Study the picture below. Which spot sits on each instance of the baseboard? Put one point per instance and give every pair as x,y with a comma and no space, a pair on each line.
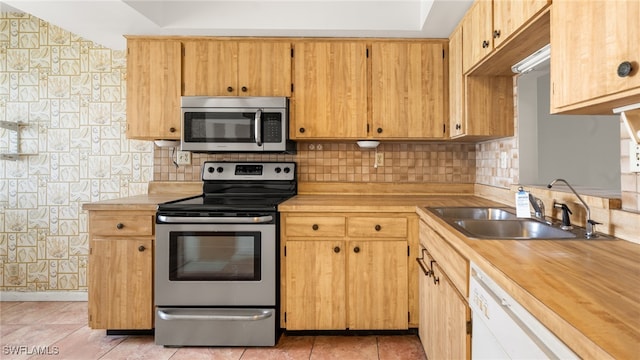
43,296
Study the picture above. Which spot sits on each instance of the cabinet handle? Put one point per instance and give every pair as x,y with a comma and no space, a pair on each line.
496,34
485,44
378,227
423,265
244,89
624,69
141,248
315,227
336,249
172,129
119,226
458,126
301,130
379,130
356,249
229,89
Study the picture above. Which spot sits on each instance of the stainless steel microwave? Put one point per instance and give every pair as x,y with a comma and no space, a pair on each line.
235,124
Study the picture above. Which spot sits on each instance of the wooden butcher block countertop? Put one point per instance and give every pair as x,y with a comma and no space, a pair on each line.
586,291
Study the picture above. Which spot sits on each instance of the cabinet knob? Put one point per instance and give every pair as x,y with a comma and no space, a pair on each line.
379,130
315,226
244,89
356,249
625,69
301,130
485,44
496,34
229,89
378,227
119,226
141,248
172,129
336,249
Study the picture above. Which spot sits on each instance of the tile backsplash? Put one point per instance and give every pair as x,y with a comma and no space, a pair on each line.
346,162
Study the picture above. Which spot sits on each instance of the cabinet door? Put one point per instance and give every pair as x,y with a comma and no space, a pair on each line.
378,294
477,36
153,89
456,85
120,278
210,68
590,39
407,89
510,15
264,68
451,315
330,91
315,285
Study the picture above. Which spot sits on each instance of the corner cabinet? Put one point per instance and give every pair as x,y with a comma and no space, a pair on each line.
154,73
345,271
445,315
237,68
120,278
595,61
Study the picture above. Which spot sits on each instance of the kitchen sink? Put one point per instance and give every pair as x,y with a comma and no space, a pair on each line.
477,213
511,229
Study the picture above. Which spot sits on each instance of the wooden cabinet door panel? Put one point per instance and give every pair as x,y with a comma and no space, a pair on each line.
407,90
510,15
477,34
210,68
330,91
153,89
378,294
456,85
316,292
452,313
120,272
264,68
375,227
590,39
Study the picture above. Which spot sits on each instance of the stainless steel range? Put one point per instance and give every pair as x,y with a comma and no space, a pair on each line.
216,261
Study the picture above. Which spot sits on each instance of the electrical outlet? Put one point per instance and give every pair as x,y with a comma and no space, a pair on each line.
634,157
183,157
380,159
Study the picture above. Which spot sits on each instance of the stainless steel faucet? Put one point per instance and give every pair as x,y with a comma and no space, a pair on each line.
590,225
538,207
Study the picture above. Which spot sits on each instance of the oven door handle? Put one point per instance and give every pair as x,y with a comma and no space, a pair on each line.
248,315
215,220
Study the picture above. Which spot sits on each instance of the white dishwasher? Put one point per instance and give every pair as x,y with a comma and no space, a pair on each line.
503,329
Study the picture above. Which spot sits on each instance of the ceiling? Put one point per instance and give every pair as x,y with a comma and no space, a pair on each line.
106,21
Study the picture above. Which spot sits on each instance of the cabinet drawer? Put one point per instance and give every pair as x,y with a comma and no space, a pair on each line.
449,260
313,226
118,225
377,227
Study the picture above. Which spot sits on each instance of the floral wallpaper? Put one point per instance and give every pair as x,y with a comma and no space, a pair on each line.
68,94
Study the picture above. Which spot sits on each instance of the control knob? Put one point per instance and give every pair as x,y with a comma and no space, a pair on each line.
287,170
211,169
220,169
278,170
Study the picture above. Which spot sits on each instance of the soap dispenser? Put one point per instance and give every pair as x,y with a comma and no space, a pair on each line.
566,221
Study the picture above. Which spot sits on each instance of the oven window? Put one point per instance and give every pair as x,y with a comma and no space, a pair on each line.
214,256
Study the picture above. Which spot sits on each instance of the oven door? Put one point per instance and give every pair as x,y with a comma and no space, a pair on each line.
233,129
215,264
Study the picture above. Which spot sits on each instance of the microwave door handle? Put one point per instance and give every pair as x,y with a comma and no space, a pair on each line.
258,127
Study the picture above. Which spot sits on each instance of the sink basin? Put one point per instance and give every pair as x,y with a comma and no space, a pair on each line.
477,213
511,229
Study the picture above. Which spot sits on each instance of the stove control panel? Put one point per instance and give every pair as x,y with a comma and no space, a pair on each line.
258,171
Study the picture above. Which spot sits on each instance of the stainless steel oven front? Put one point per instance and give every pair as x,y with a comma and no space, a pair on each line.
215,280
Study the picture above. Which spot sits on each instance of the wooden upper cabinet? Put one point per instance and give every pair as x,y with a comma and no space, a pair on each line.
237,68
510,15
456,85
407,90
591,41
330,90
478,33
153,89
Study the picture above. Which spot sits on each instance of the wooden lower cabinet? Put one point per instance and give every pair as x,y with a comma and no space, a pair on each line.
334,281
120,278
445,315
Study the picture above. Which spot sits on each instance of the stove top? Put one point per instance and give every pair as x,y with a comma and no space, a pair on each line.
239,187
